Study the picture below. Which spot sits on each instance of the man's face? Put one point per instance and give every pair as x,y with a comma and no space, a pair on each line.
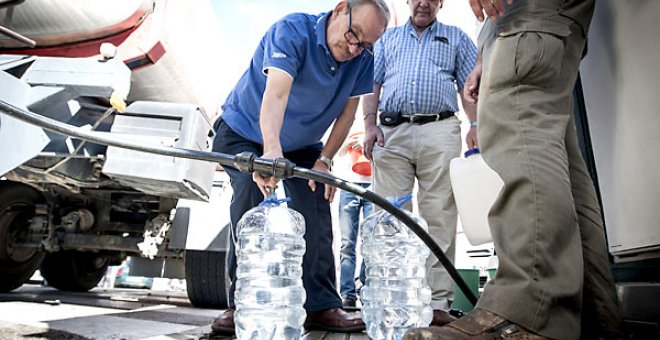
346,42
423,12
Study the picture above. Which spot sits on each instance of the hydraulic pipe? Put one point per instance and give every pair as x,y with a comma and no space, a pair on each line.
280,168
17,36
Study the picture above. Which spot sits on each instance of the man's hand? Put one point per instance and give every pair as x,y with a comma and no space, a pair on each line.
493,8
355,141
372,136
263,182
329,189
471,87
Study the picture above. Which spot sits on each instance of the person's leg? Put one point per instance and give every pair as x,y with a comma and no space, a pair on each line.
367,206
393,170
319,262
437,144
245,195
367,209
349,219
524,112
600,309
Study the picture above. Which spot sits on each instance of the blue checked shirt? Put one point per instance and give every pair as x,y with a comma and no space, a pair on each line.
422,75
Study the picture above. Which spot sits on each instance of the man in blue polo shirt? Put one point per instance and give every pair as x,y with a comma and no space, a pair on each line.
306,74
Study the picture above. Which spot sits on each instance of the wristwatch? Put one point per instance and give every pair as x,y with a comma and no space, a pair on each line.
327,161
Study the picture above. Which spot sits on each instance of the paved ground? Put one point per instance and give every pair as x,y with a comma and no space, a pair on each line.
34,312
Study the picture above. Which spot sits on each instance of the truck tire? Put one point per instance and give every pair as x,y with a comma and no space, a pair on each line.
74,271
205,278
17,207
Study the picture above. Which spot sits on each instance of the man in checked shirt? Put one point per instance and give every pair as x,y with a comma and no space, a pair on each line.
419,70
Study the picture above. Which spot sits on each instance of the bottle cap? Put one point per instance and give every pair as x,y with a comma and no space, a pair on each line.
400,201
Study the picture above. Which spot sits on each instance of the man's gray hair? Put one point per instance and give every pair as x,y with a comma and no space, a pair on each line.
383,10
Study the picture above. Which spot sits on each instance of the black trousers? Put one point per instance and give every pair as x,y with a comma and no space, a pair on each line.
318,263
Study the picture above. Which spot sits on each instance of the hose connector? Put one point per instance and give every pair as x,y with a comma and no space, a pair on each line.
280,168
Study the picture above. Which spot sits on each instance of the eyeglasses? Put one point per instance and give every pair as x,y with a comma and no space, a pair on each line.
352,38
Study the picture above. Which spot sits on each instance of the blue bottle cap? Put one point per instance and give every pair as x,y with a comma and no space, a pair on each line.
400,201
272,200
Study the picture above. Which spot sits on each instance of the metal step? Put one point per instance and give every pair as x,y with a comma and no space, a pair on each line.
640,309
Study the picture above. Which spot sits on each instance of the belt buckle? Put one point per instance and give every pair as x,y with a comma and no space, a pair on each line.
413,118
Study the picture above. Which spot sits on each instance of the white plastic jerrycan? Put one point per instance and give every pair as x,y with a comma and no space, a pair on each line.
475,186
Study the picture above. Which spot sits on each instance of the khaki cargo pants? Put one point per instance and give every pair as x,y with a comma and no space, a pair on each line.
423,152
546,224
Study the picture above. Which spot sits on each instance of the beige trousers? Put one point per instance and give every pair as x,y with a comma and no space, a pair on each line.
423,152
546,223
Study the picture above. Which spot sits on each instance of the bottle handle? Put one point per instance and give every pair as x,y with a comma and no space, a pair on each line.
472,152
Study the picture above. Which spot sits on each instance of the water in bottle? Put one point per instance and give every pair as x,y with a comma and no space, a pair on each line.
396,296
269,291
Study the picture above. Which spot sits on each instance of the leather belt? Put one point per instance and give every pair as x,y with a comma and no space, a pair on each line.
396,118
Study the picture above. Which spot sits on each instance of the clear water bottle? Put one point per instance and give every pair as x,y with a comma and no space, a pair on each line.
269,292
396,296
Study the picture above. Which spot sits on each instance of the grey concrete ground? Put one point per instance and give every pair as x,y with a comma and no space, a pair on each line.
35,313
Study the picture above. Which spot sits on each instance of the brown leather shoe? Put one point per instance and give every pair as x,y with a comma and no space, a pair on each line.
335,320
441,318
224,323
477,325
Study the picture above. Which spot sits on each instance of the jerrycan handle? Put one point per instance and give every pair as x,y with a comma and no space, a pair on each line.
472,152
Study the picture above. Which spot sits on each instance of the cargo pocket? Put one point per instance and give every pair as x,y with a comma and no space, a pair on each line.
500,64
523,57
538,57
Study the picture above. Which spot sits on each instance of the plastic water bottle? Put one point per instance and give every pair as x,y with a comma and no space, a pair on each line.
476,187
269,291
396,296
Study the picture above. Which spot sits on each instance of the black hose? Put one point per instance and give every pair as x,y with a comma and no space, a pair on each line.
280,168
398,213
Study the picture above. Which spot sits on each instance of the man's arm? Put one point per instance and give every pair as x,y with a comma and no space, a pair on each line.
469,97
338,134
471,112
472,82
341,128
273,105
372,133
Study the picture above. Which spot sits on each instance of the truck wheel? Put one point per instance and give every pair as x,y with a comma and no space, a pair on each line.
205,278
74,271
17,264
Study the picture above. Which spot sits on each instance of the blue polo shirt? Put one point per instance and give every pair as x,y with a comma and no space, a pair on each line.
296,44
